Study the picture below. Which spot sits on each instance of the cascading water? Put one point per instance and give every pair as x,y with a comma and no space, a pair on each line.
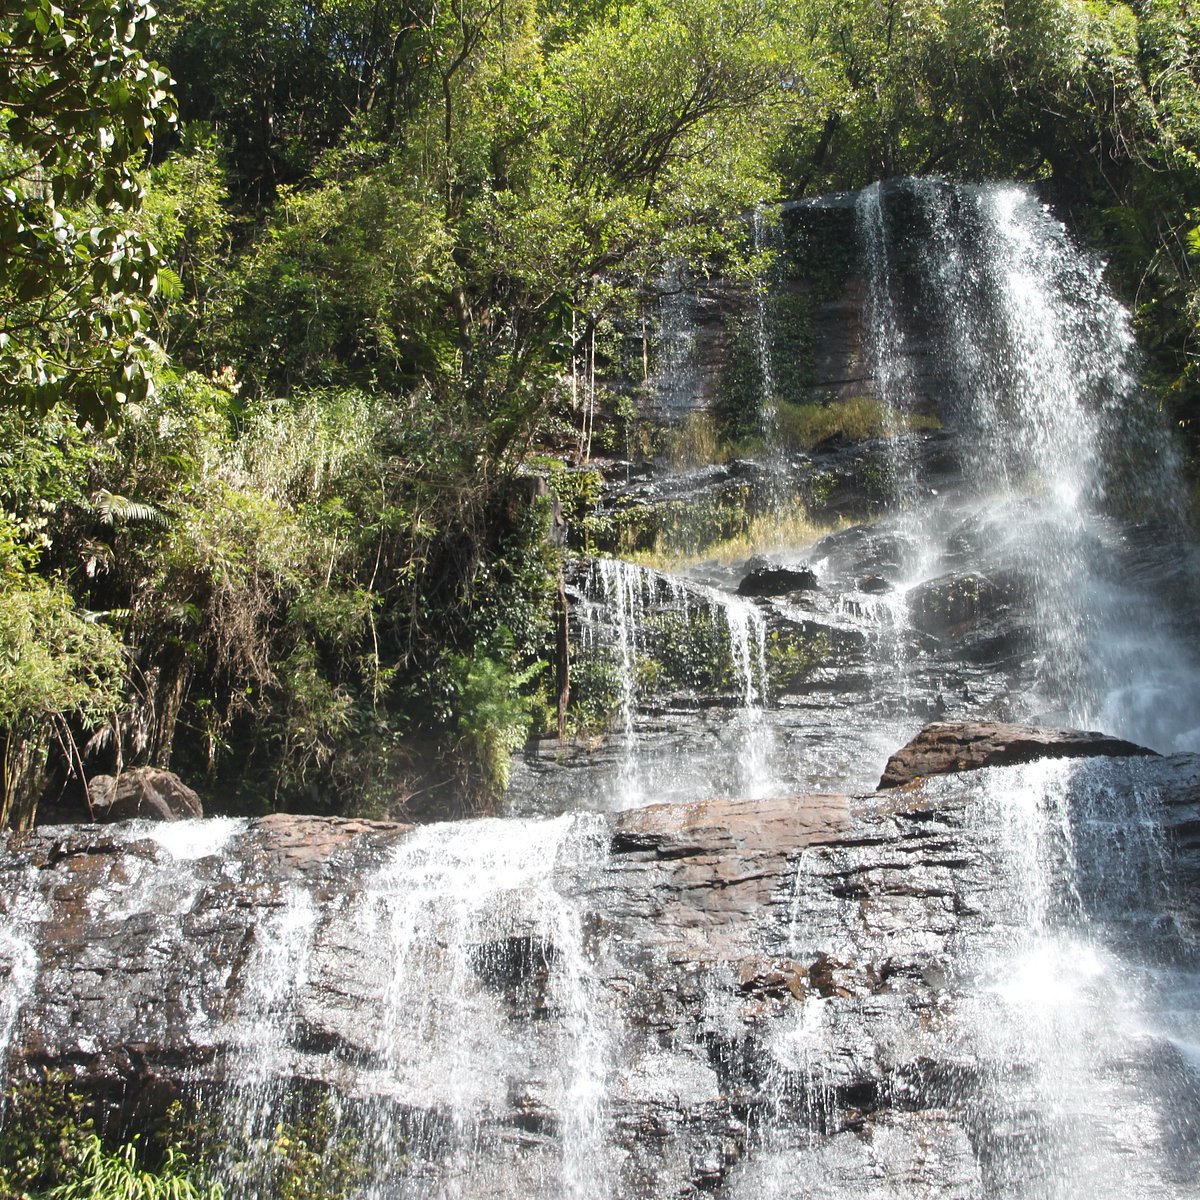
252,1103
676,377
1034,359
1068,1007
18,966
466,916
987,988
647,635
763,239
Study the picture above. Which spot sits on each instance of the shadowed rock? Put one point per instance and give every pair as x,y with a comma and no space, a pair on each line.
763,579
950,746
951,604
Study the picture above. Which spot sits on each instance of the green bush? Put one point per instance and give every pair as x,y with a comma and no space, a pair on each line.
493,716
58,664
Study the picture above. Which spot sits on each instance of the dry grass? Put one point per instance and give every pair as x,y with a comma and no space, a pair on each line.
803,426
781,529
696,441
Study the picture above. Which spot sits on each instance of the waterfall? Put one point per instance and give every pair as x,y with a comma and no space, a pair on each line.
262,1035
887,361
657,636
691,978
676,377
1037,359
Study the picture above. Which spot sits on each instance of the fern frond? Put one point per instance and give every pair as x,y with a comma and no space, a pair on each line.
120,510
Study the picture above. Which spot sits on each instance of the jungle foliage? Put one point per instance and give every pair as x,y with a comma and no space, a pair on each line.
372,269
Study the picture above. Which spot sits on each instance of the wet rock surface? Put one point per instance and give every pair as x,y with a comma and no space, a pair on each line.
826,957
947,747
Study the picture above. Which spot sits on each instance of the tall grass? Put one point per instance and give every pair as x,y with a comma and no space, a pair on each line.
782,528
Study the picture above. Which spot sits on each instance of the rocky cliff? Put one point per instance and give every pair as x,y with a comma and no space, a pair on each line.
709,997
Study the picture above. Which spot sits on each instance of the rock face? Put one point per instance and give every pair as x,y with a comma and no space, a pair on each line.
704,998
146,792
949,746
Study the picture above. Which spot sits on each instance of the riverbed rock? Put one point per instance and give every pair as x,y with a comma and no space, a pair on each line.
946,747
151,793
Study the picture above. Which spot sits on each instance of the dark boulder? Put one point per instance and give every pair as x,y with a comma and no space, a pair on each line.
147,792
947,747
764,579
950,604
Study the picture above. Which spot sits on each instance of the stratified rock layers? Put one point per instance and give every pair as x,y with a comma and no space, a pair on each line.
787,987
949,746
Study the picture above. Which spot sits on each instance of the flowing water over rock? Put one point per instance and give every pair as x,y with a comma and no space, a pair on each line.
984,986
676,660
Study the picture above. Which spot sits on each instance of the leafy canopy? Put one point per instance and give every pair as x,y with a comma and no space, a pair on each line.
79,106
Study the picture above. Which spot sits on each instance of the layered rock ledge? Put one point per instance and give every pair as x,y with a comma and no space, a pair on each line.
946,747
798,984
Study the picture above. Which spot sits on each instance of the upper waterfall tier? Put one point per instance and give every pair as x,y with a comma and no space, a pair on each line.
1019,551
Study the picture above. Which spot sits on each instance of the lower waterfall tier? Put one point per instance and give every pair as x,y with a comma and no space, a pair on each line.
982,985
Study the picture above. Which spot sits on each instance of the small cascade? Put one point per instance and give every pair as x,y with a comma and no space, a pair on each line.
676,377
19,965
488,999
765,237
262,1037
747,632
887,359
889,363
659,641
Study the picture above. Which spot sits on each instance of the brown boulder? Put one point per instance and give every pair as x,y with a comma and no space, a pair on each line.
147,792
950,746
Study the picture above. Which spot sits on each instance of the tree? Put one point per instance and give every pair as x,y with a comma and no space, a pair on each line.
80,104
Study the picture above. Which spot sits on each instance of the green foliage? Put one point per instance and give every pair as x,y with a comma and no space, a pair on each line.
309,1154
690,651
185,214
595,693
44,1132
79,105
57,664
318,291
101,1174
696,441
792,657
50,1150
492,715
